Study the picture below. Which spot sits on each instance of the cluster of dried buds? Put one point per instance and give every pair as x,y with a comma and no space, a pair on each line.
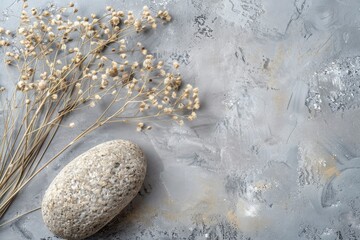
72,61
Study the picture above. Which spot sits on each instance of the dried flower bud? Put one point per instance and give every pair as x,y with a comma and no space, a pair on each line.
42,85
21,30
140,126
113,72
176,65
192,116
54,96
115,21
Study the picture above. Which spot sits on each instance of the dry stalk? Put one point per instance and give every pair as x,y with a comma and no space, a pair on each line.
69,63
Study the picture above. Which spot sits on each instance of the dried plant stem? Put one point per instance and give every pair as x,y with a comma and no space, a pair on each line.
19,216
69,63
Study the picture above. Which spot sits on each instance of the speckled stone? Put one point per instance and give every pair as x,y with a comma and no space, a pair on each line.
93,188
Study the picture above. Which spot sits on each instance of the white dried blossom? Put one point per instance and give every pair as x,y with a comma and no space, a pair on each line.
42,85
140,126
68,61
54,96
176,65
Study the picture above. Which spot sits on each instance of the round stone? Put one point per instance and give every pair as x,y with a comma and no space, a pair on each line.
93,188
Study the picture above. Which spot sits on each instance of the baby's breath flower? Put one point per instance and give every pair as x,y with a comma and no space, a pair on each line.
21,30
176,65
165,99
67,61
113,72
168,110
42,85
115,21
4,43
140,126
192,116
160,64
164,15
135,65
104,83
138,25
147,64
54,96
162,72
144,51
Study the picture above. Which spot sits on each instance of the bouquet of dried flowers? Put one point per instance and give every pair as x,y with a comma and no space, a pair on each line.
68,63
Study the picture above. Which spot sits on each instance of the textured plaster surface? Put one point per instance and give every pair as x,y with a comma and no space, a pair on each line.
275,152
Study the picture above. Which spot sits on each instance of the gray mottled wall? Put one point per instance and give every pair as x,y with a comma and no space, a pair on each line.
274,153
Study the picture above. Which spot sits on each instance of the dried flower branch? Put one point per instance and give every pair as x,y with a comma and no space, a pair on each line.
69,63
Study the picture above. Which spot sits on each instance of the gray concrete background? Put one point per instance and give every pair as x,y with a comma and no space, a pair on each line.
275,151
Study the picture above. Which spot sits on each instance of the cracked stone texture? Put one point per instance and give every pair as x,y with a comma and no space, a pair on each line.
275,151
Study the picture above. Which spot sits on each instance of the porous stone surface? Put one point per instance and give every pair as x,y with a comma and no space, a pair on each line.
93,188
